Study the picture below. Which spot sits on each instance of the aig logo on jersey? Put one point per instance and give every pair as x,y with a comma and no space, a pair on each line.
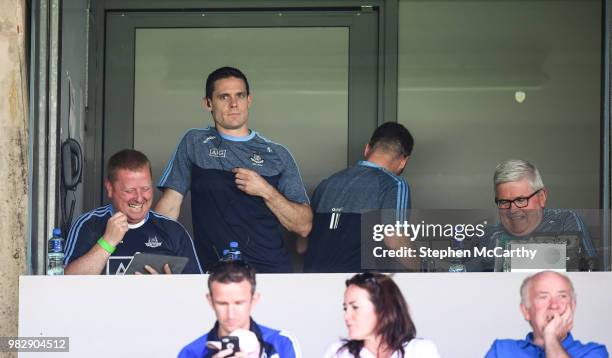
335,218
256,159
217,153
153,242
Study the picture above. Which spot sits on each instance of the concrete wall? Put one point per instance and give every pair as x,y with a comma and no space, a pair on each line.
13,159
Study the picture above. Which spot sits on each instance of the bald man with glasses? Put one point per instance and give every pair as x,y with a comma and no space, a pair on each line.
520,196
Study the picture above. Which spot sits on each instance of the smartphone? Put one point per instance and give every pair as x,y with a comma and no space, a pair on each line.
230,342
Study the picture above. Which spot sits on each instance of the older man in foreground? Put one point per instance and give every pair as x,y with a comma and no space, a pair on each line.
548,303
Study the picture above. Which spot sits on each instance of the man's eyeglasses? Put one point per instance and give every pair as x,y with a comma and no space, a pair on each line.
519,202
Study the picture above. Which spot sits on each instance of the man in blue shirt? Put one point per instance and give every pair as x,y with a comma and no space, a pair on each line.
242,184
231,286
520,196
548,302
105,239
373,190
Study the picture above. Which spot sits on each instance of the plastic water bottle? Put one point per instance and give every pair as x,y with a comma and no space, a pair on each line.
234,252
225,256
55,253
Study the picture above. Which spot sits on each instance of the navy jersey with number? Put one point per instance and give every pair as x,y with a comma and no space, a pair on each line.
156,235
340,204
221,213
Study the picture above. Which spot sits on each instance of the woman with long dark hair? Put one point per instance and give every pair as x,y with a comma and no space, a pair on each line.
379,325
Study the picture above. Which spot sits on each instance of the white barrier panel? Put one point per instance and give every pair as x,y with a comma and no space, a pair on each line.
154,316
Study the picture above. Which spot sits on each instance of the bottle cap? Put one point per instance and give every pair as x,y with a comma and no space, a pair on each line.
233,244
57,232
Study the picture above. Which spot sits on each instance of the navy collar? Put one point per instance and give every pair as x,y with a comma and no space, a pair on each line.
365,163
213,335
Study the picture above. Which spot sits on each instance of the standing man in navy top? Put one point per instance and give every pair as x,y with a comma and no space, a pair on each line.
341,201
242,184
548,303
105,239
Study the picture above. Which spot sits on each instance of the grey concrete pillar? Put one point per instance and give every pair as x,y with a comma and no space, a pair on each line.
13,160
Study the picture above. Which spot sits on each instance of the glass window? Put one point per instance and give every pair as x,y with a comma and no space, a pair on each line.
485,81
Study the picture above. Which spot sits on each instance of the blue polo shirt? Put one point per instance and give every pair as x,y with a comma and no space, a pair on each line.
275,343
524,348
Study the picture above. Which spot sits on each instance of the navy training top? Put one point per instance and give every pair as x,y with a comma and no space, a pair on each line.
340,204
156,235
221,213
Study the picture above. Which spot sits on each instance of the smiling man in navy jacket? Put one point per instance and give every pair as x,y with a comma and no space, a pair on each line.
105,239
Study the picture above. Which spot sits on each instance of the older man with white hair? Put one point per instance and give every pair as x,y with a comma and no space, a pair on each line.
548,303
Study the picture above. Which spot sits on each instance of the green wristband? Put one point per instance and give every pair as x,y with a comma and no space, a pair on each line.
106,245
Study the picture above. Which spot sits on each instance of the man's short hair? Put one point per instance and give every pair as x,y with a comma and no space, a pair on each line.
513,170
232,272
527,282
221,73
393,138
127,159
